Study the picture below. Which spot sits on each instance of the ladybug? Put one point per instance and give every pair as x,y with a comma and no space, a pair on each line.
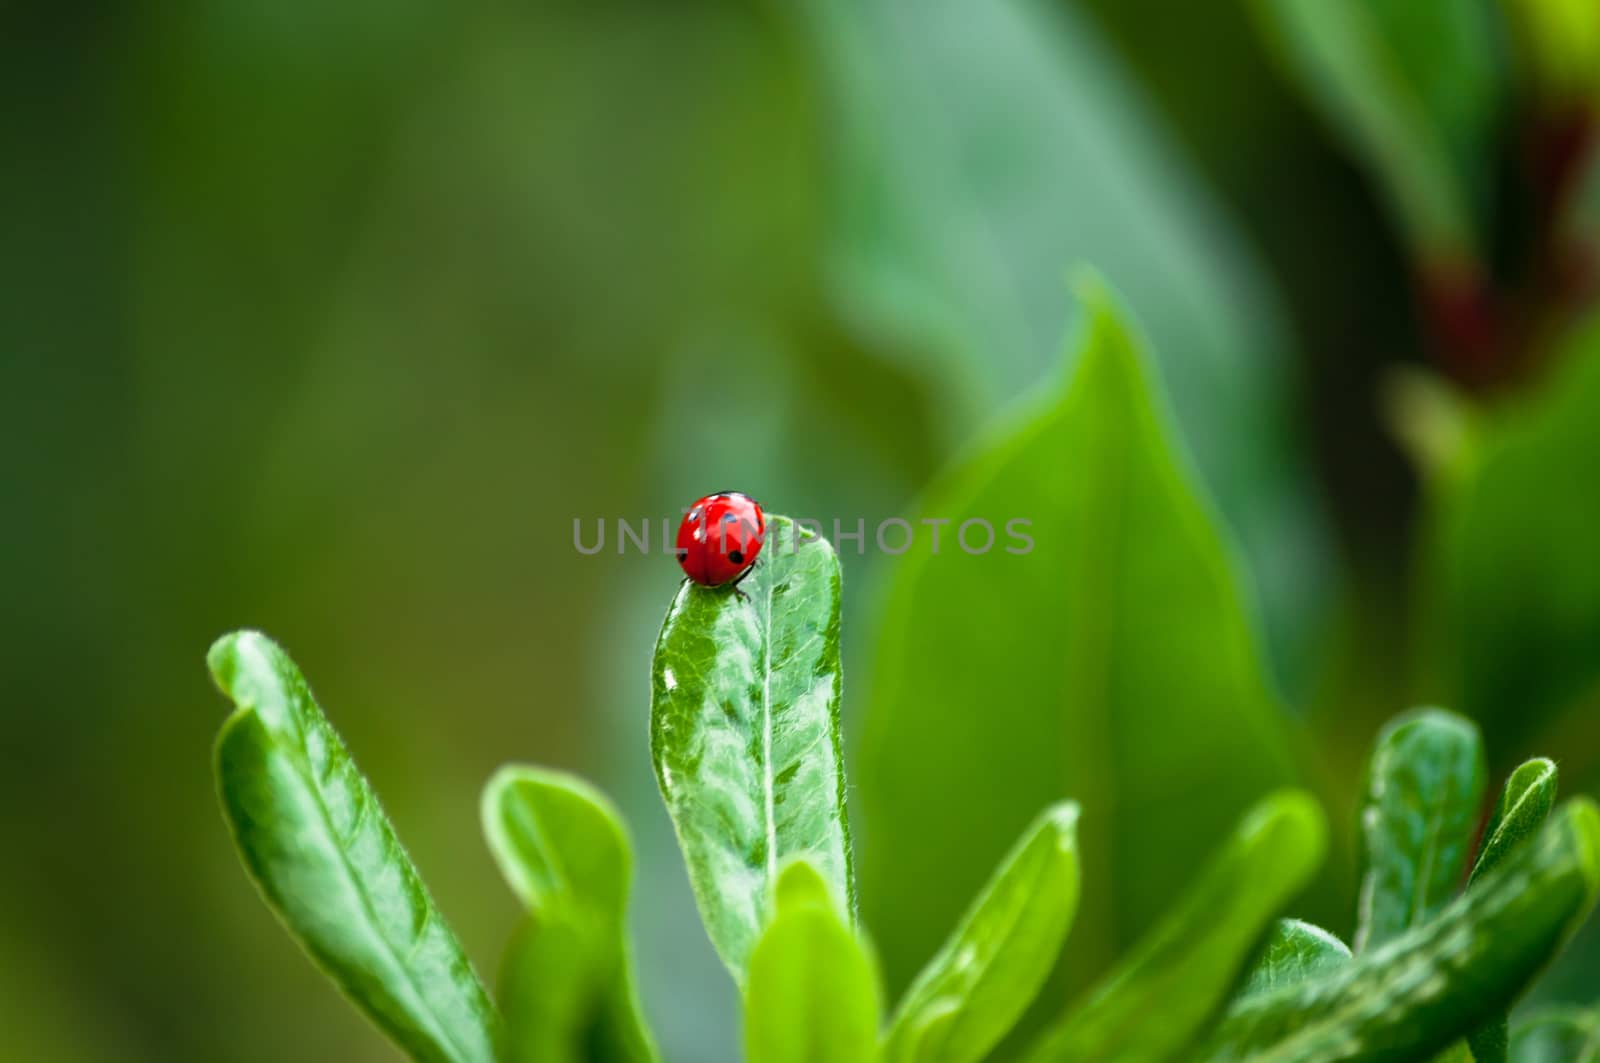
720,538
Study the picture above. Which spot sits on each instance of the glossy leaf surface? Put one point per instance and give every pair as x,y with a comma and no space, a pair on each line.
973,990
1419,818
313,836
744,733
1160,998
812,993
1107,658
1424,989
567,987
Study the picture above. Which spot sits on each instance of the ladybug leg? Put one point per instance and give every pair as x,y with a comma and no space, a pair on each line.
743,597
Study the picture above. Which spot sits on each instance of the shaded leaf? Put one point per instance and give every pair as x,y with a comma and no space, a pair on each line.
1513,601
973,990
1413,86
1524,805
313,836
1295,952
1161,997
978,152
1557,1035
1107,657
568,986
1424,989
744,733
1419,818
812,993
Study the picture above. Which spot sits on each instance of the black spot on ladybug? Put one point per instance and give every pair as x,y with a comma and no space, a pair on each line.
694,514
736,556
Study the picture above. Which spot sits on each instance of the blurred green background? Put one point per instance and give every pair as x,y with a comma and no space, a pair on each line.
330,319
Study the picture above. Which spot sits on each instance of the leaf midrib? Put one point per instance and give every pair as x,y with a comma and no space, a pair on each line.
1009,925
1012,923
1422,894
1087,690
768,776
302,769
1512,816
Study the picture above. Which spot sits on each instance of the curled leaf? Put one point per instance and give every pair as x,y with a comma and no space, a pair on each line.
567,986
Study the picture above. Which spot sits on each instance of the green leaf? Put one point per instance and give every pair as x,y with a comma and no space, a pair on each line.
1295,952
980,150
744,732
1109,657
973,990
1414,87
1557,1035
1160,998
1413,996
1513,595
567,987
812,993
314,838
1419,818
1524,805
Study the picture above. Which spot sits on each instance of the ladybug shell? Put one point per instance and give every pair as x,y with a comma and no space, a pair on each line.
720,538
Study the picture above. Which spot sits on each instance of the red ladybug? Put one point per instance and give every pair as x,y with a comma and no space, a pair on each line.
720,538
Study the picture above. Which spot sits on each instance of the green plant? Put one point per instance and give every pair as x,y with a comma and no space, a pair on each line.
745,738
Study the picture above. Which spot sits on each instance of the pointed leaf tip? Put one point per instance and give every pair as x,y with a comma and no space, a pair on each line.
1106,340
799,883
812,989
1185,967
1064,816
1135,721
971,993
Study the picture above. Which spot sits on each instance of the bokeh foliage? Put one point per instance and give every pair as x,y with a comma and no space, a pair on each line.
329,319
